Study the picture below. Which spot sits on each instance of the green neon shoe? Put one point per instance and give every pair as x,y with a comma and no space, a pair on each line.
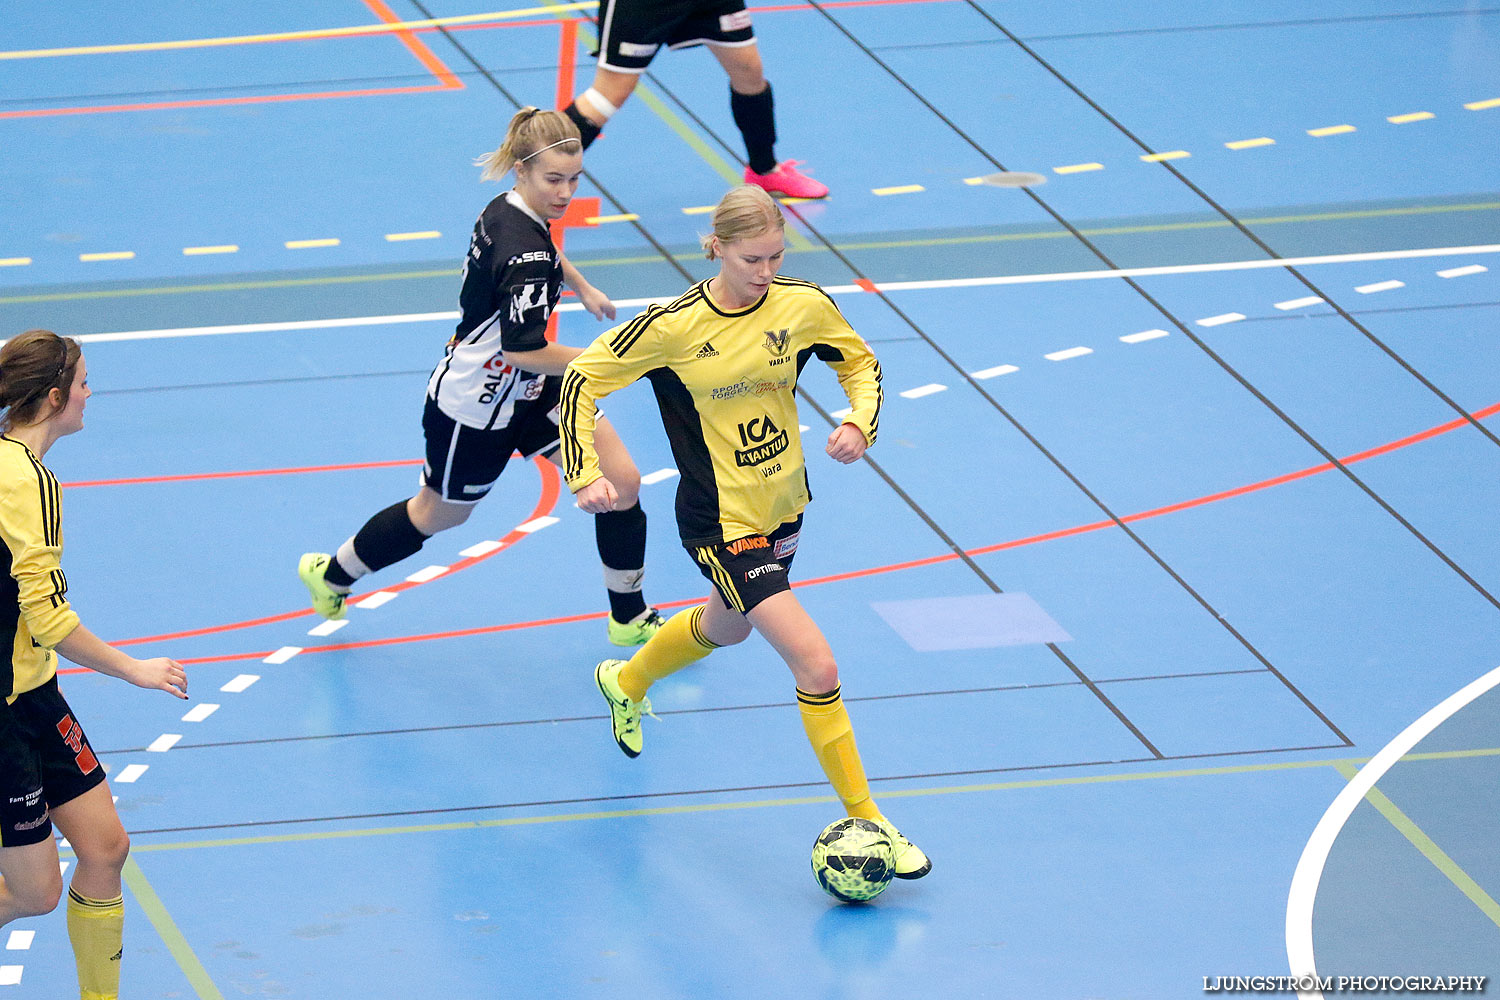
635,633
911,862
325,600
625,714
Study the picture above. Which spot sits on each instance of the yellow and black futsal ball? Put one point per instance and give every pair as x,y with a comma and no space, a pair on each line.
853,859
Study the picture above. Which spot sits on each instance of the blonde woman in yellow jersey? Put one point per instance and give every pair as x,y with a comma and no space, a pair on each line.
724,359
48,772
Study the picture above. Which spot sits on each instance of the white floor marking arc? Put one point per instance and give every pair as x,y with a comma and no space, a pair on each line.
923,390
164,742
1460,272
200,712
328,628
537,524
378,599
1221,319
240,683
1071,352
995,371
1304,888
283,654
426,573
1379,286
19,940
659,476
483,548
130,773
1143,336
1302,303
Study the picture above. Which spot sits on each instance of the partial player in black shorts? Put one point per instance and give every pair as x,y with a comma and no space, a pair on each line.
45,762
49,775
495,391
748,570
632,32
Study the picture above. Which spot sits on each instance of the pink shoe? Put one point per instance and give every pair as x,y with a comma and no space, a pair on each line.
788,180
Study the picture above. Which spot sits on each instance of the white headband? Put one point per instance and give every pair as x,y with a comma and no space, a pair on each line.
545,148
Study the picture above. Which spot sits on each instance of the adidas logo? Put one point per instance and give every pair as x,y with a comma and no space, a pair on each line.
706,351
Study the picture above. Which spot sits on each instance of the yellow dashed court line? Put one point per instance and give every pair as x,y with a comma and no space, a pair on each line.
426,234
698,209
115,255
1415,116
309,244
798,201
899,189
1171,154
1493,102
595,220
1250,143
1078,168
1318,133
14,261
200,251
973,181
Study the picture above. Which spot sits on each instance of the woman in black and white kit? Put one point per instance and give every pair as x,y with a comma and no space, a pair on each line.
496,389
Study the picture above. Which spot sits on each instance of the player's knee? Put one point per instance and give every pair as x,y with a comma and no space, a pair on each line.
105,851
627,488
35,898
817,673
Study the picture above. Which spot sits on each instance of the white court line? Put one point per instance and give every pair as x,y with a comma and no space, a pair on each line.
1072,352
995,371
131,772
427,573
164,742
536,524
883,286
483,548
1379,286
841,414
19,940
283,654
328,628
1302,303
10,975
377,599
923,390
200,712
659,476
1221,319
1459,272
1304,890
240,683
1143,336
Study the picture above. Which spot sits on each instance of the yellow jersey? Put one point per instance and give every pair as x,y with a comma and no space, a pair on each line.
34,610
726,382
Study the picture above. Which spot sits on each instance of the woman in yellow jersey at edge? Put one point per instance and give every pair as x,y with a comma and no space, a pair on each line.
48,771
723,360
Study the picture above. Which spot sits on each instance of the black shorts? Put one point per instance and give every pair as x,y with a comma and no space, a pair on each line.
45,762
632,31
464,462
748,570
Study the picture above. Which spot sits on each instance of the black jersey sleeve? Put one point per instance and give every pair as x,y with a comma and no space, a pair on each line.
476,296
525,303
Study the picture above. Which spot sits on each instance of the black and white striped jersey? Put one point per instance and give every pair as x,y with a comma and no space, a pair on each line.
512,279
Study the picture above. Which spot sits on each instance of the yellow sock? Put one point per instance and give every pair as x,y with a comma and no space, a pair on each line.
832,739
675,645
96,929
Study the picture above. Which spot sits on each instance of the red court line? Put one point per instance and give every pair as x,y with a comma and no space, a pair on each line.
546,502
1264,484
567,60
448,81
424,55
194,476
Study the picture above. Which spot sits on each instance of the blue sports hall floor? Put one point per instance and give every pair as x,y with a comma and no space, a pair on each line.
1204,426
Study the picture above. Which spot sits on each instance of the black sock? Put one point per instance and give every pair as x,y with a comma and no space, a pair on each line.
587,130
755,114
386,538
621,536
